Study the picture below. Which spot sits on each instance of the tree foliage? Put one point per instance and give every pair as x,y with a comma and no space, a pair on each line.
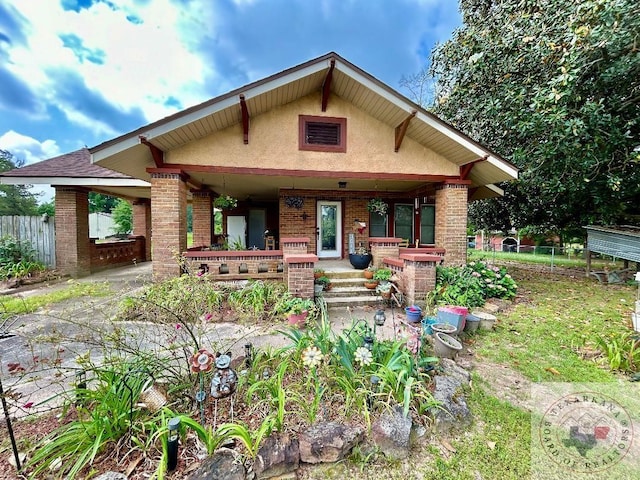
554,87
15,199
123,217
101,203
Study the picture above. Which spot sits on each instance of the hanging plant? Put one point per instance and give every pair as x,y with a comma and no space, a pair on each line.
377,205
225,202
294,202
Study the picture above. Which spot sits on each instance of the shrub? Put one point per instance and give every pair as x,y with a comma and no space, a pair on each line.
471,285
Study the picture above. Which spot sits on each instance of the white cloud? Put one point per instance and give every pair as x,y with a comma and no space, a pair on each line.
144,63
27,148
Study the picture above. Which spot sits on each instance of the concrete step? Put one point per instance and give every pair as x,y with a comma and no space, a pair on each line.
335,274
347,282
353,301
348,291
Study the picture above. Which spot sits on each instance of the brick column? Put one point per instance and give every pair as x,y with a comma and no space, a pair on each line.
168,222
451,221
142,224
72,231
202,218
419,276
299,274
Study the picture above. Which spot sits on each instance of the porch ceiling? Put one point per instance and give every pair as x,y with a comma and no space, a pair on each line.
127,155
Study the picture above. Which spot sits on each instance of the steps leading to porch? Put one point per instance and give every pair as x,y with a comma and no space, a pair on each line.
348,289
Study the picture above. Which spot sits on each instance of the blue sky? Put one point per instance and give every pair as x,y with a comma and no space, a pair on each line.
79,72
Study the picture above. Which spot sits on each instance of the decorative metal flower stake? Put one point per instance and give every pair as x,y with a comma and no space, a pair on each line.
201,362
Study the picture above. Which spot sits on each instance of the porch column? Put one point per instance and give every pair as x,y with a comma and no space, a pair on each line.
202,205
142,224
168,221
384,247
451,221
419,276
299,274
72,231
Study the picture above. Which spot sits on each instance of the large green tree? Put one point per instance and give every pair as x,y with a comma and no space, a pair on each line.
554,87
15,199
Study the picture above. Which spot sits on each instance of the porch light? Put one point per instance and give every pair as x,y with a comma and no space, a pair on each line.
172,443
367,342
379,318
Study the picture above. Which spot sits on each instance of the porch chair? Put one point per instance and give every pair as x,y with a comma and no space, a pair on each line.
404,243
269,243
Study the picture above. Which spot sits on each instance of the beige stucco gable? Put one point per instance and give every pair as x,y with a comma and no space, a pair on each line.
273,144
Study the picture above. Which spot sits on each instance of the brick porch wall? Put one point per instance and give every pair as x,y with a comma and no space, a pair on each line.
202,205
72,231
169,223
451,221
142,224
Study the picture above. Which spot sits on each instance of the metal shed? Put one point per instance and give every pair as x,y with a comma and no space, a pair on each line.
620,241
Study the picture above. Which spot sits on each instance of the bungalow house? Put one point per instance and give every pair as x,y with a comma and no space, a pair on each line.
302,154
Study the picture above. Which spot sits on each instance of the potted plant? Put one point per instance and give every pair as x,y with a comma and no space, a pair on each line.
384,290
298,309
225,202
383,274
324,281
318,272
361,258
369,271
370,284
377,205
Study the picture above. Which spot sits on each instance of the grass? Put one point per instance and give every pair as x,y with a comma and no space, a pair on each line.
20,305
548,336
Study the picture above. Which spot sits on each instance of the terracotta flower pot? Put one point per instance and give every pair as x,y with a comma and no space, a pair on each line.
297,319
368,274
371,284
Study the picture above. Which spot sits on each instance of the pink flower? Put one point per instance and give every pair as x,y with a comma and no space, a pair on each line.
178,326
28,405
208,316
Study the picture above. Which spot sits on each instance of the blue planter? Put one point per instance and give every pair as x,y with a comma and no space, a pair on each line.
360,261
414,313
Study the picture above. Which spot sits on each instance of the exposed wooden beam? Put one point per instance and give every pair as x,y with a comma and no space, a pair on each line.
465,169
245,119
402,129
156,153
326,86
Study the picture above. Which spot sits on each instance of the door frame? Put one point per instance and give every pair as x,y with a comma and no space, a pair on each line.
337,253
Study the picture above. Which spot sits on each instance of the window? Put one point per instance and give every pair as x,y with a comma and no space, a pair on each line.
377,225
322,134
428,224
403,221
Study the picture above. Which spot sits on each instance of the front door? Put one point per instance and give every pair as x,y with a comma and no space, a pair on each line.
329,228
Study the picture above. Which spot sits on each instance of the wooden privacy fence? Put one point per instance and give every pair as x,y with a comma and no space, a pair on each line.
38,230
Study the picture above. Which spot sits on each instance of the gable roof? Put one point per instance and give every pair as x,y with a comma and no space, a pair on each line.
126,153
75,169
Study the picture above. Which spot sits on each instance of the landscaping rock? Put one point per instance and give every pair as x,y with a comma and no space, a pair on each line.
453,413
111,476
450,368
222,465
392,434
328,442
278,455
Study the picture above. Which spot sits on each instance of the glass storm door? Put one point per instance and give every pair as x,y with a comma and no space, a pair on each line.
329,230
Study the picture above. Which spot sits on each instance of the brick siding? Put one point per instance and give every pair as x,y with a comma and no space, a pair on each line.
451,221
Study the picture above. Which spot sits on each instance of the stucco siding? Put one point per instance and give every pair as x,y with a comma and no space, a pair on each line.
273,143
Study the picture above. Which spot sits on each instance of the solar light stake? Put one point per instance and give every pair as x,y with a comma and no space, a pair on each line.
172,443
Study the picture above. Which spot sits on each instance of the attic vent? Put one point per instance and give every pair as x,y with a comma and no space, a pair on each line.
322,134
